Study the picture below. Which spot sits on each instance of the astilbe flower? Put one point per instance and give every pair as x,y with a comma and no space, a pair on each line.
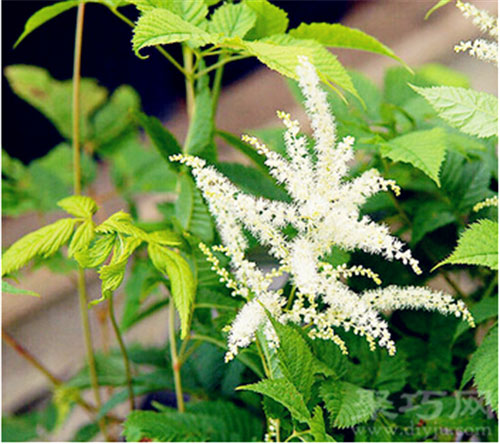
483,49
325,212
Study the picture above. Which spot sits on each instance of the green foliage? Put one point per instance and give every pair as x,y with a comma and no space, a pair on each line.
472,112
204,421
423,149
232,20
270,19
346,403
483,367
10,289
31,426
478,245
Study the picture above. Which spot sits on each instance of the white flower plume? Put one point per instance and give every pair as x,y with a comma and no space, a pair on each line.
325,212
482,49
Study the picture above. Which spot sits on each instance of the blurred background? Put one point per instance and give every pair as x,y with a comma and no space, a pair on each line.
49,327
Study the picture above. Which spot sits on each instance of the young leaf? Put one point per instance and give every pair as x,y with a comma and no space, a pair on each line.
472,112
346,403
340,36
483,366
425,150
97,252
163,140
111,276
44,15
232,20
284,392
270,19
477,245
53,97
82,237
10,289
79,206
161,26
43,242
182,282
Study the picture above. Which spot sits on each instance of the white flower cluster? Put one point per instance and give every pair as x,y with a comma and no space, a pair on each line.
486,50
325,212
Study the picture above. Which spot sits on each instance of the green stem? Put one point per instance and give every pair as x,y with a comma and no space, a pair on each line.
176,367
291,297
491,286
123,349
267,369
218,64
162,51
187,54
218,83
82,290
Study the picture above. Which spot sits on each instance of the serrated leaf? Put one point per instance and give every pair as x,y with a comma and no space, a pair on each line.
82,237
429,217
340,36
53,97
192,212
111,276
160,27
182,282
43,242
10,289
79,206
284,392
193,11
478,245
483,366
347,404
163,140
232,20
318,429
97,253
425,150
472,112
270,19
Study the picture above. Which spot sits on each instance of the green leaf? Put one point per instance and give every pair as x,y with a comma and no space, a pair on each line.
430,216
340,36
193,11
53,97
346,403
160,27
192,211
270,19
111,276
79,206
163,140
477,245
82,237
318,429
232,20
10,289
425,150
284,392
486,308
483,366
442,75
182,282
244,148
44,15
472,112
86,432
43,242
438,5
98,251
200,136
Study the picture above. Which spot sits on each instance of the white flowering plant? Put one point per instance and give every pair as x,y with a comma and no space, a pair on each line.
317,287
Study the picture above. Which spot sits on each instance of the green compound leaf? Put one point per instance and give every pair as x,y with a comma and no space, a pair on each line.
425,150
340,36
284,392
53,97
78,206
182,282
232,20
478,245
483,366
43,242
163,140
270,19
472,112
97,253
193,11
160,27
318,428
347,404
111,278
10,289
82,237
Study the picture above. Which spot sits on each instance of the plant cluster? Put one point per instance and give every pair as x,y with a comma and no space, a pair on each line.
302,314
